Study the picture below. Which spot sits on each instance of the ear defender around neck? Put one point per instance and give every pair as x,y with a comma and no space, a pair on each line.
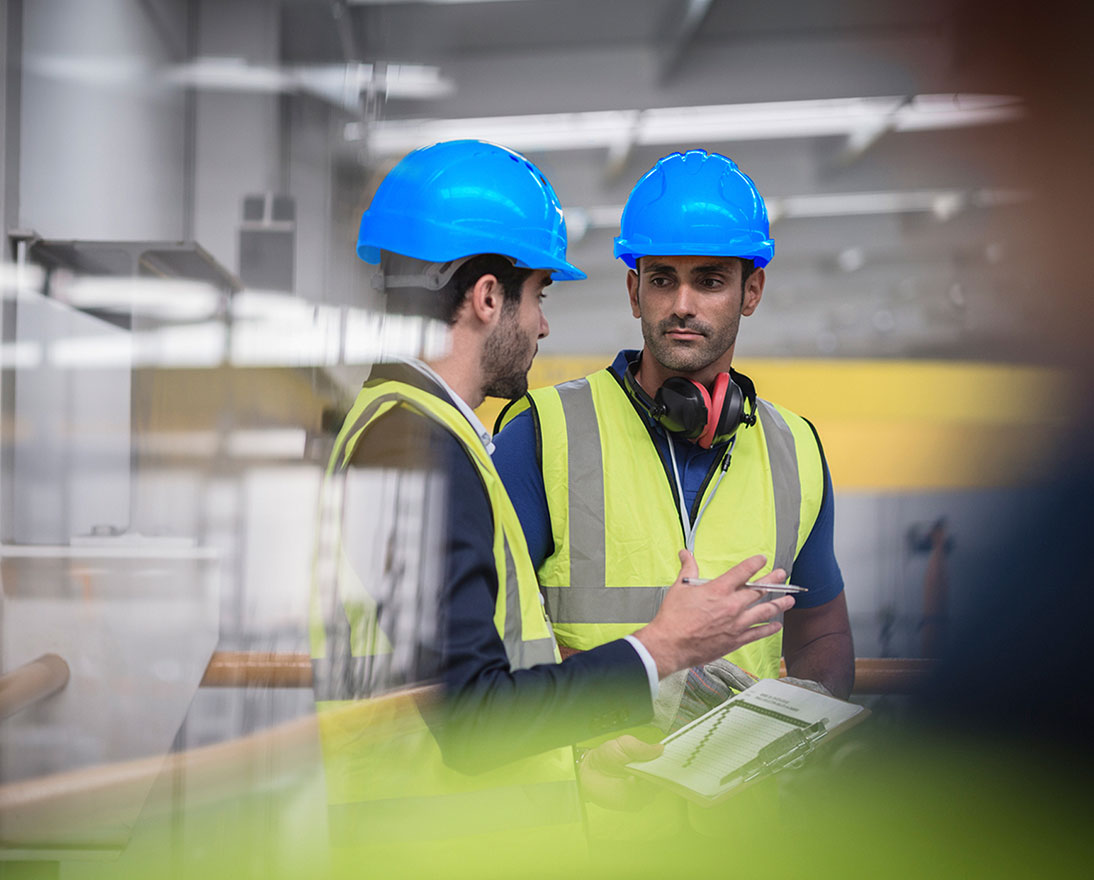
685,407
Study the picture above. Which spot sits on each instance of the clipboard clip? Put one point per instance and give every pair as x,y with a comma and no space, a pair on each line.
789,750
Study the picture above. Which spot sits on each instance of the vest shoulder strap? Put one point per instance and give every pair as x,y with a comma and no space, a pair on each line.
374,401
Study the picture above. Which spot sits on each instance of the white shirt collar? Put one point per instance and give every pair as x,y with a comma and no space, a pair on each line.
459,402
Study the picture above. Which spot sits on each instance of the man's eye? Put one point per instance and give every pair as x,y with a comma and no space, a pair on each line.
712,283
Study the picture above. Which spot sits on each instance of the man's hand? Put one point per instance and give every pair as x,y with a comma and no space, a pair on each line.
698,623
607,782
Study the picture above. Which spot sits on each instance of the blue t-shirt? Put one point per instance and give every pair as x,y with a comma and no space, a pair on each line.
517,463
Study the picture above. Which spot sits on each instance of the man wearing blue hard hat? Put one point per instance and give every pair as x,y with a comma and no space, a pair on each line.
674,448
423,575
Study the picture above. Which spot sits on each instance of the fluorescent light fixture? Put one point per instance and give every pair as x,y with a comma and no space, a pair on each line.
943,203
851,204
188,346
421,2
375,336
947,205
16,278
267,443
91,352
95,71
276,443
313,341
228,74
338,84
271,305
414,81
854,118
23,355
198,444
851,259
342,84
996,198
167,299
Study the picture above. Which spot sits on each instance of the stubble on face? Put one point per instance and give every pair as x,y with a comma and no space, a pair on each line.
689,356
507,358
696,354
512,345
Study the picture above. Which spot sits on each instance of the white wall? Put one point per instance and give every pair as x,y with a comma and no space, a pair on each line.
102,141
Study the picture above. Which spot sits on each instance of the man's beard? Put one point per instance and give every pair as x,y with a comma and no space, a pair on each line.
506,360
691,357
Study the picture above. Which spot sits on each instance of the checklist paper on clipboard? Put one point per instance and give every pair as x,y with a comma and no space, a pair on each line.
758,732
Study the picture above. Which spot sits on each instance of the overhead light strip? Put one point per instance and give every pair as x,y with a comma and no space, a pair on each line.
705,124
420,2
941,202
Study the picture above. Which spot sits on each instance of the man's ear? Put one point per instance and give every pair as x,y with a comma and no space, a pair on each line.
632,292
754,291
485,300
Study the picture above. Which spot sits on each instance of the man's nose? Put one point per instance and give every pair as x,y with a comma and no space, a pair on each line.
544,327
684,304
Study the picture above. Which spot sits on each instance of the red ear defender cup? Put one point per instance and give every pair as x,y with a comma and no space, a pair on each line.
715,413
683,406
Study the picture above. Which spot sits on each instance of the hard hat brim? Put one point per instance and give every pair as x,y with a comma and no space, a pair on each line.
440,242
760,252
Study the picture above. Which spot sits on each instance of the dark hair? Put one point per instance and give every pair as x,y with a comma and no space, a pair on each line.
748,266
445,304
450,298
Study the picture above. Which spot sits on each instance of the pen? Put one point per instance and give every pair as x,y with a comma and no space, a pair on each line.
770,588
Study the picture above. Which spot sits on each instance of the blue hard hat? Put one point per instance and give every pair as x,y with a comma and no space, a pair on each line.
460,198
695,203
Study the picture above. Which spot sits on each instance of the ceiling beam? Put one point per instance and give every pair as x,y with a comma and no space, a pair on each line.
695,12
343,21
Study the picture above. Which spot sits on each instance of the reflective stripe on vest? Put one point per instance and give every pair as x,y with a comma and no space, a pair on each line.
616,526
611,604
521,622
387,781
586,469
522,653
785,482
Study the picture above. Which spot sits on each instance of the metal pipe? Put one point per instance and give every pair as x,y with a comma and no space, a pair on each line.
31,682
886,675
891,675
64,809
873,675
257,669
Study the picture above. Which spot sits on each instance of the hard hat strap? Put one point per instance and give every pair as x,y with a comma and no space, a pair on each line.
432,276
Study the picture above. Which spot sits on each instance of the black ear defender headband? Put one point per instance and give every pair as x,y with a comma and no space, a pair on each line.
685,407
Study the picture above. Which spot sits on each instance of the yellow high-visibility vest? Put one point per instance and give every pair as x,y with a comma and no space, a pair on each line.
616,523
387,784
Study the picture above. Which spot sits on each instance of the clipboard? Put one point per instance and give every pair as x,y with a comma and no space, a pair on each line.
769,727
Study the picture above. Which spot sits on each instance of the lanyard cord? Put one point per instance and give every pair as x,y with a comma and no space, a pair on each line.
685,520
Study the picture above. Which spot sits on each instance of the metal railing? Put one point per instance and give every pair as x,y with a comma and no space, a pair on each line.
81,801
873,675
31,682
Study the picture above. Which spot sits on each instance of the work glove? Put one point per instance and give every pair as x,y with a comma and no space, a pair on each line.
705,687
809,685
